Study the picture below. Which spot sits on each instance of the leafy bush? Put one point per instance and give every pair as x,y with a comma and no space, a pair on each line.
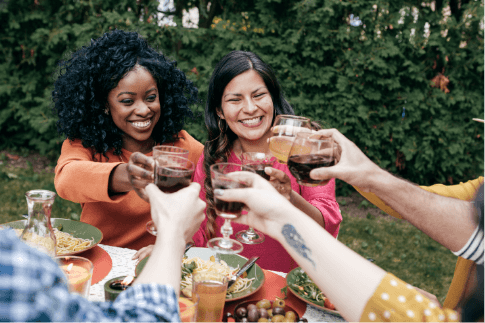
371,81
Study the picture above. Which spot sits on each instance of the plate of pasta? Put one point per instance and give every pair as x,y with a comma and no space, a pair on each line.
72,237
203,259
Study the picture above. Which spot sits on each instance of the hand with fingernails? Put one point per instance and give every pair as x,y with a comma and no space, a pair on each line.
140,173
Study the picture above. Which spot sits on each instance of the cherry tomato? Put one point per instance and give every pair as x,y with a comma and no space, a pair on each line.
329,304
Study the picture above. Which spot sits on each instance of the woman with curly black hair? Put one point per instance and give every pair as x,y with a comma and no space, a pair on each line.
116,97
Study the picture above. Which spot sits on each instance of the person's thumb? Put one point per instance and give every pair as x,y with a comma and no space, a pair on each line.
323,173
233,194
153,192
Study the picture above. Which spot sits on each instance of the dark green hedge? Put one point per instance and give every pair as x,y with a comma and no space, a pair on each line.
359,79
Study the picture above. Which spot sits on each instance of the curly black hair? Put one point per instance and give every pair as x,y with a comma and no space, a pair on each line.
85,79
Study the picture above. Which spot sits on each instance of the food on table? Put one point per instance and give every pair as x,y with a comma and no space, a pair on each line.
265,311
65,242
195,265
306,288
329,304
264,303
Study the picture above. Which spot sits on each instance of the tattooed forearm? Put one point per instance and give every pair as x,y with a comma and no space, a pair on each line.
296,241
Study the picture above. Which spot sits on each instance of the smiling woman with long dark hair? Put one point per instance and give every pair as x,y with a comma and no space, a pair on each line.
113,98
243,99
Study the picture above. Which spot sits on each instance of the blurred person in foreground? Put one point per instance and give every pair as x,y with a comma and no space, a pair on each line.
360,290
33,287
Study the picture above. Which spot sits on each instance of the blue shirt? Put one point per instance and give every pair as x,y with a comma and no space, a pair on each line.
33,288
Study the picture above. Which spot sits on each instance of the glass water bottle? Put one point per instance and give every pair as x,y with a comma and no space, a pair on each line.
38,232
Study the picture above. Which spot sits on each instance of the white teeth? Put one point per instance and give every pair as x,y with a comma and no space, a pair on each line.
251,121
141,124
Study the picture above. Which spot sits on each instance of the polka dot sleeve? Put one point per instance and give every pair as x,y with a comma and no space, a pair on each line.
397,301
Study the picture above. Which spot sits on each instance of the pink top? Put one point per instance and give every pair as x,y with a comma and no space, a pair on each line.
273,255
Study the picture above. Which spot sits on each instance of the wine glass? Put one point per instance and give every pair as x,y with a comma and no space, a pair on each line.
285,128
257,161
310,151
221,179
172,173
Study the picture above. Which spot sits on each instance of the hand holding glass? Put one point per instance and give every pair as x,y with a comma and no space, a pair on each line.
221,179
310,151
285,128
172,173
257,161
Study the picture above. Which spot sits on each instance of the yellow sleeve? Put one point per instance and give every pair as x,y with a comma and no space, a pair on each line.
462,191
397,301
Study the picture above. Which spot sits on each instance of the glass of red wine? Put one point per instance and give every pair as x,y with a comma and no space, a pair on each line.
310,151
172,173
221,179
257,161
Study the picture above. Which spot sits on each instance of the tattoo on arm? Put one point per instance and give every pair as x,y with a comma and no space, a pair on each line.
295,240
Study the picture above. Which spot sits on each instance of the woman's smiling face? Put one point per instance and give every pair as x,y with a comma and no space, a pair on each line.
135,108
247,106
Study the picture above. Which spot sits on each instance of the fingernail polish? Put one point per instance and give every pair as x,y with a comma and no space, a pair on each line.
218,192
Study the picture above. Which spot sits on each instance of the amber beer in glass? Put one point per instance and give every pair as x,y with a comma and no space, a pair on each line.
284,130
211,288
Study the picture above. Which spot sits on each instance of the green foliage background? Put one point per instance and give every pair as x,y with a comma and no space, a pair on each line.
357,79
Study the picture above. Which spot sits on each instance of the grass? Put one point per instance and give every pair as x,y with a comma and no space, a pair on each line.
396,246
14,182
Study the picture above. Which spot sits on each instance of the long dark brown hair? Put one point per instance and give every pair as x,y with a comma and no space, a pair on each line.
220,137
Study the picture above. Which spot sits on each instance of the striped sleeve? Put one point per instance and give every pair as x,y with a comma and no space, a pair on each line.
473,249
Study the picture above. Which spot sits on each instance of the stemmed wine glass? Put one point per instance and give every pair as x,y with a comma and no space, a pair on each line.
172,173
257,161
285,128
310,151
221,179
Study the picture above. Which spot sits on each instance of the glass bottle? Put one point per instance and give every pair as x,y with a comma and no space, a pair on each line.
38,232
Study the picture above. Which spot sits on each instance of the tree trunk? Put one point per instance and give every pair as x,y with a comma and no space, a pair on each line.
206,17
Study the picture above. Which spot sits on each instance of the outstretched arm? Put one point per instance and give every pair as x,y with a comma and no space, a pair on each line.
181,214
449,221
346,278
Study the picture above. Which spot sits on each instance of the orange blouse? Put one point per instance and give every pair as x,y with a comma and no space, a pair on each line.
82,177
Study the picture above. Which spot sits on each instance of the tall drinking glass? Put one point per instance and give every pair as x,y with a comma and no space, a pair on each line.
257,161
310,151
211,288
285,128
228,210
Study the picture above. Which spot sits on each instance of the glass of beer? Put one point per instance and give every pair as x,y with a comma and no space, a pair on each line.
210,288
285,128
257,161
221,179
310,151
